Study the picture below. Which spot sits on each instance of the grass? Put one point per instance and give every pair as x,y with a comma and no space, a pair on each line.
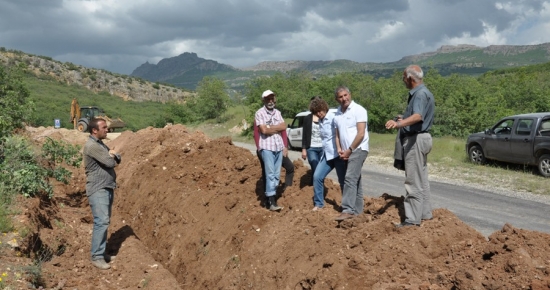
53,101
448,160
235,116
5,220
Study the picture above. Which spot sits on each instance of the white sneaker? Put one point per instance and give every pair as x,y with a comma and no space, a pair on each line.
101,264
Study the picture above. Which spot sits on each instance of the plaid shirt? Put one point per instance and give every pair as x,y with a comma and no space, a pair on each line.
99,165
269,142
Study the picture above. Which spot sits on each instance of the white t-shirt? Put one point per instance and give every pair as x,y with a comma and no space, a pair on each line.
346,123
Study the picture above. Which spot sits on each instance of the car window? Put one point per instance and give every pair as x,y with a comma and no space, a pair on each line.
297,122
504,127
545,128
524,127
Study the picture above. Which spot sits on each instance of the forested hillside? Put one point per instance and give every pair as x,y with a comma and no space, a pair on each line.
465,103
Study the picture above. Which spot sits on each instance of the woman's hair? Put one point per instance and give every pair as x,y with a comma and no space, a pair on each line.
318,105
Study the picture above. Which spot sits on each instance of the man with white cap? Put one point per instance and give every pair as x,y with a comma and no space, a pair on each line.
270,123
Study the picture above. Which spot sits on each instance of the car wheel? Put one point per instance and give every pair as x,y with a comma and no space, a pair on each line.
476,155
544,165
82,127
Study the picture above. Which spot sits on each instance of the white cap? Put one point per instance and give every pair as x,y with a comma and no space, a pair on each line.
267,93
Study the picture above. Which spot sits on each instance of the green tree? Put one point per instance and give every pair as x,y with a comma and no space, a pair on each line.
212,100
15,106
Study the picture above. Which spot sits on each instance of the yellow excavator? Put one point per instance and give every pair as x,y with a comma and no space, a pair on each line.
81,116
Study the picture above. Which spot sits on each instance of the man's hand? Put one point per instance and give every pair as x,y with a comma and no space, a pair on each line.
395,122
285,152
344,154
304,154
112,152
390,124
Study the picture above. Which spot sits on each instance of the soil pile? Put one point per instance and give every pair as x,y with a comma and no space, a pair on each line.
189,214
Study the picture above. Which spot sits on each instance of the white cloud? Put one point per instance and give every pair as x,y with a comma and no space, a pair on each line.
490,36
388,30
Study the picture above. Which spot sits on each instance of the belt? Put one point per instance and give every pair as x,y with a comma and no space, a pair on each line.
408,134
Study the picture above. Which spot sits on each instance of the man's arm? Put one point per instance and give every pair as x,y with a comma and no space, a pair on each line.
273,129
411,120
337,138
285,142
360,135
101,155
256,136
356,141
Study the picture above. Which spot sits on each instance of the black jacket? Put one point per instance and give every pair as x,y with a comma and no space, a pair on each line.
306,131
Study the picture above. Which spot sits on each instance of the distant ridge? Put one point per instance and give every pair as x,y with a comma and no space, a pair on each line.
463,58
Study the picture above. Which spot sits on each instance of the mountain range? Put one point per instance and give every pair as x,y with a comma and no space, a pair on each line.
187,69
173,78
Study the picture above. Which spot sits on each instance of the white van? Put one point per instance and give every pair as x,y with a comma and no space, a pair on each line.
294,130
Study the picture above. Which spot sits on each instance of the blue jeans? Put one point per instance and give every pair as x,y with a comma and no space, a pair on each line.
101,203
314,155
352,195
323,169
272,164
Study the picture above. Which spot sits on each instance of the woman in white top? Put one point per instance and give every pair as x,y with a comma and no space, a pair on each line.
312,145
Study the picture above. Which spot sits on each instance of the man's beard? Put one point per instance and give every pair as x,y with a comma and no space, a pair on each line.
270,106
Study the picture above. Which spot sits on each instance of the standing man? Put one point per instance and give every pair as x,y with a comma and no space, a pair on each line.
270,123
352,144
287,163
100,162
415,128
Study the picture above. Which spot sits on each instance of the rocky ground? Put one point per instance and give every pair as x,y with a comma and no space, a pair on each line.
188,214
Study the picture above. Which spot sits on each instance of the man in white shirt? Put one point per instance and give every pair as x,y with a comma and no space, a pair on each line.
352,144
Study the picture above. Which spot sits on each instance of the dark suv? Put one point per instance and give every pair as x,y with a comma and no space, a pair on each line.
519,139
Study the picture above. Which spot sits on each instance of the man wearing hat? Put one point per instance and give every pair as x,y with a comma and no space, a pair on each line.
270,123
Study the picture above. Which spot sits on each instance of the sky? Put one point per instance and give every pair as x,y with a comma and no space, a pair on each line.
120,35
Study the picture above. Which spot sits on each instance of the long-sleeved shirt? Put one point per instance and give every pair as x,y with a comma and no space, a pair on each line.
327,135
99,166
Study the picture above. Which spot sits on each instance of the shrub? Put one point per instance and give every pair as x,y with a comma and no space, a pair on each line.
24,172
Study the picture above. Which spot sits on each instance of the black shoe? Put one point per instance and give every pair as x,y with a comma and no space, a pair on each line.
108,258
405,224
272,204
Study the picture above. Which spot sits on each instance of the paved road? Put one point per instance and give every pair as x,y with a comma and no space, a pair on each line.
483,210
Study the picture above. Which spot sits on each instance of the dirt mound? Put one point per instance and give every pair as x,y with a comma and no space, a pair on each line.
188,214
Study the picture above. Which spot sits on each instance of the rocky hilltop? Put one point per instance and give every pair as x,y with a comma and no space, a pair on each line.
184,70
509,55
97,80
